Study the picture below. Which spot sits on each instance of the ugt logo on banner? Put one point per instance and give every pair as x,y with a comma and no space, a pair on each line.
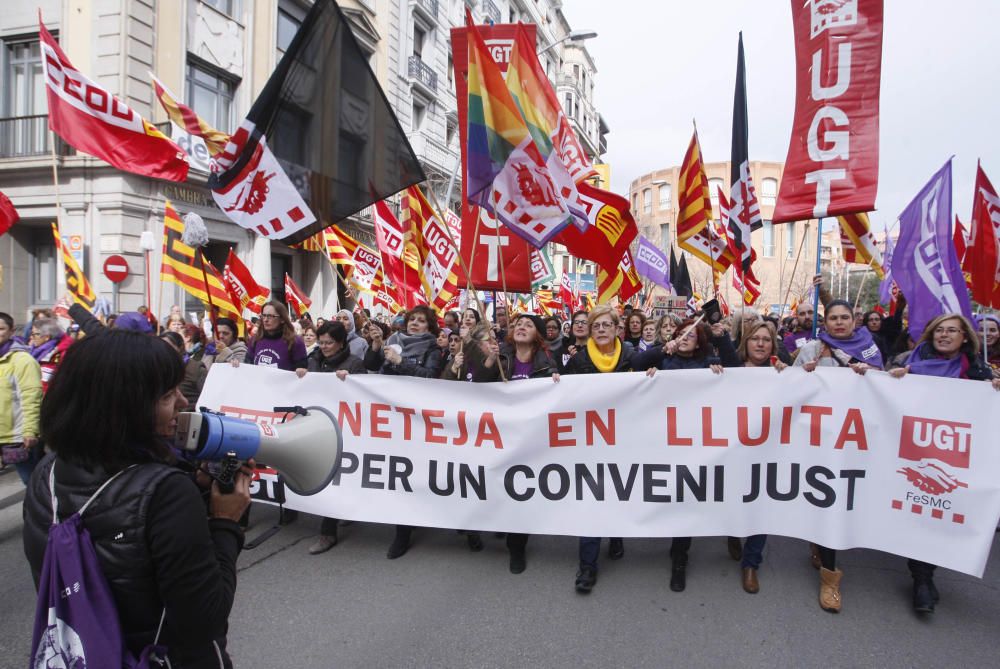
936,446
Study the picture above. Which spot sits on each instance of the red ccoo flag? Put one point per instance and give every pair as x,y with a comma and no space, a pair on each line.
981,261
8,215
297,301
245,292
94,121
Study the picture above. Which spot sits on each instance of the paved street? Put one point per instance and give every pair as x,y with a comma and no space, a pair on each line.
442,606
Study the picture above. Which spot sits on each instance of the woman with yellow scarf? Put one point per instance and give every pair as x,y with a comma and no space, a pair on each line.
604,353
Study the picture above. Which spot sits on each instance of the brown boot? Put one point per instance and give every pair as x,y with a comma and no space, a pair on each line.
750,582
829,590
814,556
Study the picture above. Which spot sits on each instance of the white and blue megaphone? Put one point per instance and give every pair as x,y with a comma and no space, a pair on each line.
306,451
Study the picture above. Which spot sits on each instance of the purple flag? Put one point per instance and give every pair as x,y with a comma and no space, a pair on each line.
652,263
924,263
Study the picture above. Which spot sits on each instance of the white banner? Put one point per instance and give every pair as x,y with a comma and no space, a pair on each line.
906,466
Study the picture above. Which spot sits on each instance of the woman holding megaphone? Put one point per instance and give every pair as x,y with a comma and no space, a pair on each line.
168,563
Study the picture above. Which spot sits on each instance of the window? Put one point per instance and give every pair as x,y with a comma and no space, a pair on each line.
288,25
417,119
227,7
664,235
44,269
789,240
768,239
451,69
23,95
768,191
635,202
211,96
713,190
576,72
419,37
665,196
647,201
569,103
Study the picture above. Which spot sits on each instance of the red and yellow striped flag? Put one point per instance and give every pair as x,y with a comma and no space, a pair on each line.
76,280
624,282
185,117
180,266
695,212
858,243
336,251
437,255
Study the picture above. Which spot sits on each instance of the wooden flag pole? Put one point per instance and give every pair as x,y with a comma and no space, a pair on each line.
861,288
55,185
819,268
208,294
798,255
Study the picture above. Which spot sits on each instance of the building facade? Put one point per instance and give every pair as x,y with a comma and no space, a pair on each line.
786,253
216,56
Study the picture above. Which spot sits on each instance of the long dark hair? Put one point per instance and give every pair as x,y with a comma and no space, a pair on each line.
100,408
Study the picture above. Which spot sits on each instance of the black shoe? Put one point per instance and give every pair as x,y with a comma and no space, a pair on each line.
585,579
287,516
400,544
678,577
923,599
616,549
475,541
735,547
518,564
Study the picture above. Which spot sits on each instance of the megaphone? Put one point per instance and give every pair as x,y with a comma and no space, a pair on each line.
306,451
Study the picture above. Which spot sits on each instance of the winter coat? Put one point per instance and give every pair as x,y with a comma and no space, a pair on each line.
156,549
342,359
542,366
655,357
421,357
582,364
20,394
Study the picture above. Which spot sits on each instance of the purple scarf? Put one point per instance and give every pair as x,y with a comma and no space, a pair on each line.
933,364
859,346
5,347
39,352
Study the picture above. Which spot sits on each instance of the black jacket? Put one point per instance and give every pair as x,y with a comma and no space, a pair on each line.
582,364
655,357
156,549
340,360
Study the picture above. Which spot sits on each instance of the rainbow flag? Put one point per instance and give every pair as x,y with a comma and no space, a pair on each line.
545,120
505,173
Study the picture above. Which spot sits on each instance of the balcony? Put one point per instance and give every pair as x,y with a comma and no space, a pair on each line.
428,8
422,75
24,136
491,11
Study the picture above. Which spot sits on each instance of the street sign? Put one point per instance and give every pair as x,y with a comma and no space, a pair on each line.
116,268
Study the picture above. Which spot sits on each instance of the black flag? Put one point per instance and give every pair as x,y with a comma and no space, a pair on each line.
682,285
674,275
329,124
744,214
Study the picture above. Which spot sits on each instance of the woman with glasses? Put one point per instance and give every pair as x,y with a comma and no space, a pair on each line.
601,353
276,344
694,346
988,329
633,328
839,345
48,344
579,333
948,348
759,348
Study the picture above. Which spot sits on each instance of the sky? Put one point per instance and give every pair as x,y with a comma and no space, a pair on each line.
661,63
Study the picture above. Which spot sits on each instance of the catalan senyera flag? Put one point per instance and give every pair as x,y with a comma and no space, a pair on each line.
437,253
244,290
858,242
185,117
76,281
694,217
298,301
180,265
336,251
316,243
623,282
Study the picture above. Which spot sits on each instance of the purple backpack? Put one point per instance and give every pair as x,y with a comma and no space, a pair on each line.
76,621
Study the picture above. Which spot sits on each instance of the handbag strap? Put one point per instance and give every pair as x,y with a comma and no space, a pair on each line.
55,500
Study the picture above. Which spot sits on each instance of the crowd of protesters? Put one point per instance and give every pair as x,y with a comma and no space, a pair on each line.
467,347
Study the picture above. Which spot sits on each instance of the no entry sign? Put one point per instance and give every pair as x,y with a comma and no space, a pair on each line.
116,268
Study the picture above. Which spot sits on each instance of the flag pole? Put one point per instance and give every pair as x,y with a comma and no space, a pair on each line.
458,249
795,266
819,269
864,276
55,185
208,294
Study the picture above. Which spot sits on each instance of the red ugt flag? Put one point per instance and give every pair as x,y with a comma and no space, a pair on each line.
298,303
245,292
87,116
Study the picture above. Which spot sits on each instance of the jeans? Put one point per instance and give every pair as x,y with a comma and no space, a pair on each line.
753,551
25,468
921,571
590,547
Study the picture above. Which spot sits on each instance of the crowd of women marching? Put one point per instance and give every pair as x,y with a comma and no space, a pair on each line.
466,347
